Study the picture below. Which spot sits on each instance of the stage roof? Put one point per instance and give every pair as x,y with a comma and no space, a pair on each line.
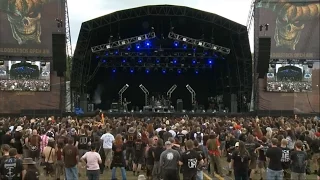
136,21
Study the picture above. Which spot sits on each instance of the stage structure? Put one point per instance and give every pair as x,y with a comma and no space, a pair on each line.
146,94
193,94
120,93
171,90
213,57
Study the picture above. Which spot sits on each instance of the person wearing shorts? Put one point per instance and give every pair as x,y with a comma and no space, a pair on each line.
107,140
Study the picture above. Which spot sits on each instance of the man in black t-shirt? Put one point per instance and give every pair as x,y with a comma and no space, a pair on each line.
190,160
84,143
285,158
298,162
11,168
204,158
138,155
274,154
130,138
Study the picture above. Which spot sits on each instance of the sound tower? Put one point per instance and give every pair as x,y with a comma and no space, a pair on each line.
263,56
59,54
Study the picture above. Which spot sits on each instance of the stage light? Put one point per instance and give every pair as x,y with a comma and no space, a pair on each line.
157,61
104,61
196,71
97,57
123,61
164,71
194,61
148,43
140,60
147,70
185,46
129,48
131,70
138,46
179,71
176,43
174,61
210,61
116,52
114,70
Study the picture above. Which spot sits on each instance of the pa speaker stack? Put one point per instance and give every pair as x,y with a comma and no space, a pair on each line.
59,54
263,56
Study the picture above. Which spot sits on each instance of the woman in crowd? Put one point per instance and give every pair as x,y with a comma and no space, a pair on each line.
92,159
214,152
118,160
49,155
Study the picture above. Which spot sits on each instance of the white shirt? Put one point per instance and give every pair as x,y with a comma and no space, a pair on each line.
92,159
107,139
173,133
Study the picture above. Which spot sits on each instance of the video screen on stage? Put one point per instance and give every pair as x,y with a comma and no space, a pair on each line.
25,76
289,78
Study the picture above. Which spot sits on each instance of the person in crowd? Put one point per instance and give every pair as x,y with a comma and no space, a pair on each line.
59,167
139,147
240,162
181,137
34,143
291,138
299,160
130,138
315,148
214,152
156,153
169,162
17,137
251,146
30,171
49,155
198,135
166,134
92,159
70,155
190,160
262,159
150,158
107,140
44,140
11,168
5,152
274,154
118,159
285,159
202,166
25,143
222,140
84,143
6,139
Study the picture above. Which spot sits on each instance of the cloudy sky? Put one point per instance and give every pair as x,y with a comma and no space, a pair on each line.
236,10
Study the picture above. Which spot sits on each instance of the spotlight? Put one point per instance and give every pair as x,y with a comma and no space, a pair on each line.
194,61
114,70
124,61
196,71
97,57
164,71
147,43
147,70
157,61
174,61
129,48
138,46
104,61
140,60
210,61
176,43
179,71
131,70
185,46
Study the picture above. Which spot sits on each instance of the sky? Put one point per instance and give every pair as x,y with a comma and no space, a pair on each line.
235,10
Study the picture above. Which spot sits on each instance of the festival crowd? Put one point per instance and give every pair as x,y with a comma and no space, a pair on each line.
289,86
160,148
25,85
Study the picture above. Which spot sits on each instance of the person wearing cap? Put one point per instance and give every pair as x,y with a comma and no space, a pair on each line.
30,171
169,163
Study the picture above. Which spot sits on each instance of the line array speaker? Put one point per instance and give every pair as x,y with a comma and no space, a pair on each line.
59,54
263,56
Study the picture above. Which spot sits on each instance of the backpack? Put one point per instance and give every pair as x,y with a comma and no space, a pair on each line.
34,143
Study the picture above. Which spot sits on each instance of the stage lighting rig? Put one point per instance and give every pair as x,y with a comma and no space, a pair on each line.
123,42
200,43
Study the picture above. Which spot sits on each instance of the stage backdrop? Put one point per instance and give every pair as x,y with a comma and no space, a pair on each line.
293,27
26,26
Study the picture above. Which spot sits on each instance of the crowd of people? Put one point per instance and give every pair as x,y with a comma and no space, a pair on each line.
160,148
289,86
25,85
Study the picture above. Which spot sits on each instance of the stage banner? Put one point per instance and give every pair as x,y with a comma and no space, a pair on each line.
293,26
26,26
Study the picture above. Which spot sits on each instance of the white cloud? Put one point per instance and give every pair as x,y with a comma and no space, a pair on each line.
235,10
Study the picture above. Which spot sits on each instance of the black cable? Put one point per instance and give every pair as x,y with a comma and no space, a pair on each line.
310,102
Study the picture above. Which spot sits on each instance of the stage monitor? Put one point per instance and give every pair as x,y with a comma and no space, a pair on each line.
25,76
289,78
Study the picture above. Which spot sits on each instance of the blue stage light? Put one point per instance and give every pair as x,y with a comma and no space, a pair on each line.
147,71
97,57
138,46
131,70
129,48
104,61
179,71
176,43
196,71
116,52
174,61
123,61
148,43
210,61
157,61
164,71
114,70
185,46
194,61
140,61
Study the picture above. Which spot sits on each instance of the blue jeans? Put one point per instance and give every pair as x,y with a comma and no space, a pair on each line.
71,173
123,173
274,175
93,174
199,175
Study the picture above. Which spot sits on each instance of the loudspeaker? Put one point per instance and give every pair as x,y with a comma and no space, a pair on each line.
263,56
179,105
59,54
